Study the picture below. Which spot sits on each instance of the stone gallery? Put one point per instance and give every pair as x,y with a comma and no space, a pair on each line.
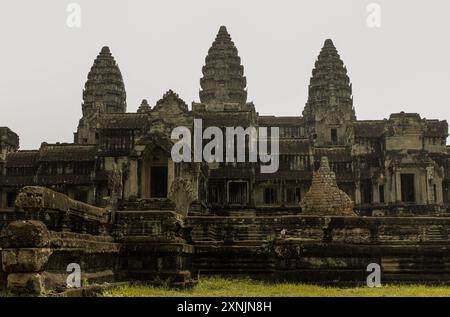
347,192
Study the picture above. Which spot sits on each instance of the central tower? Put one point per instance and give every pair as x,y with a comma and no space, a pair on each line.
223,75
329,111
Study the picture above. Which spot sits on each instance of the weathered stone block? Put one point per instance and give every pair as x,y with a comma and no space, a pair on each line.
25,234
26,283
25,260
351,235
2,275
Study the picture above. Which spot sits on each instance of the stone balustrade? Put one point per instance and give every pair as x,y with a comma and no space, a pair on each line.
61,213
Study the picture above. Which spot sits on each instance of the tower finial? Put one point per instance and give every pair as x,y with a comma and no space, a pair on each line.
223,30
328,43
105,50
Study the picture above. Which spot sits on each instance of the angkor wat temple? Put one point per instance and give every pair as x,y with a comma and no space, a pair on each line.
381,164
395,171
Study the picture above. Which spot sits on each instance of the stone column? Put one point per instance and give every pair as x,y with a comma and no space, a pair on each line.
398,187
376,192
133,179
357,192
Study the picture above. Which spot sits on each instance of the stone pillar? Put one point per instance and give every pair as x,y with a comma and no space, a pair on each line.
398,187
376,193
2,274
133,180
170,174
358,192
25,255
2,199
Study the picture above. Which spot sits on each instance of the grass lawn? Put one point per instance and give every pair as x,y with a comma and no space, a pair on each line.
220,287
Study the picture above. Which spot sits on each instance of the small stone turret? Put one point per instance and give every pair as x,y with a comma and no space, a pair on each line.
144,107
324,198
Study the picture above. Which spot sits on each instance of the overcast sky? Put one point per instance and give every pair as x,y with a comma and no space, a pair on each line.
161,45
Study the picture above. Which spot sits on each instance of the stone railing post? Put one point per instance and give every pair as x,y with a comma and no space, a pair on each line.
24,256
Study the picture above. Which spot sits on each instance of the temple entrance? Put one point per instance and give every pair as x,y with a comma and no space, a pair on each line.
237,193
270,196
155,174
216,193
10,199
158,181
408,190
366,191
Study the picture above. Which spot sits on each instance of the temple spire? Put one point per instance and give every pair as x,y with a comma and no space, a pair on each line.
104,90
223,75
329,84
329,109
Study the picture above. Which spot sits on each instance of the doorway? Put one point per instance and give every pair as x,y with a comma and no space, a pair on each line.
237,192
158,181
408,190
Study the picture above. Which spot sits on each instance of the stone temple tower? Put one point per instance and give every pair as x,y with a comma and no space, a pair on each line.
329,111
104,92
223,75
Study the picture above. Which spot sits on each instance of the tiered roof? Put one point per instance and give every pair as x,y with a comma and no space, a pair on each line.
171,97
126,121
65,152
369,128
277,121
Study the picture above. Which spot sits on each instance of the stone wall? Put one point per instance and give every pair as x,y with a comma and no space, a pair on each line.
323,249
35,259
158,247
155,247
352,230
146,246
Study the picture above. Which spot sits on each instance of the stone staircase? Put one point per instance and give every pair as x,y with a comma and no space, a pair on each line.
252,233
243,213
435,234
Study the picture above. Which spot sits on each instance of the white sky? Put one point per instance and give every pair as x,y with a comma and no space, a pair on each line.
161,45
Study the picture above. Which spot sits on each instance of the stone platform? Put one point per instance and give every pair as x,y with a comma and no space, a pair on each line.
165,247
324,250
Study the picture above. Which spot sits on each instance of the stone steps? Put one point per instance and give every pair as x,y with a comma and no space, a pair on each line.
435,234
233,266
243,213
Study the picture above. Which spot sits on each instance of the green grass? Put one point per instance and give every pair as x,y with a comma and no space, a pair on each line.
220,287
